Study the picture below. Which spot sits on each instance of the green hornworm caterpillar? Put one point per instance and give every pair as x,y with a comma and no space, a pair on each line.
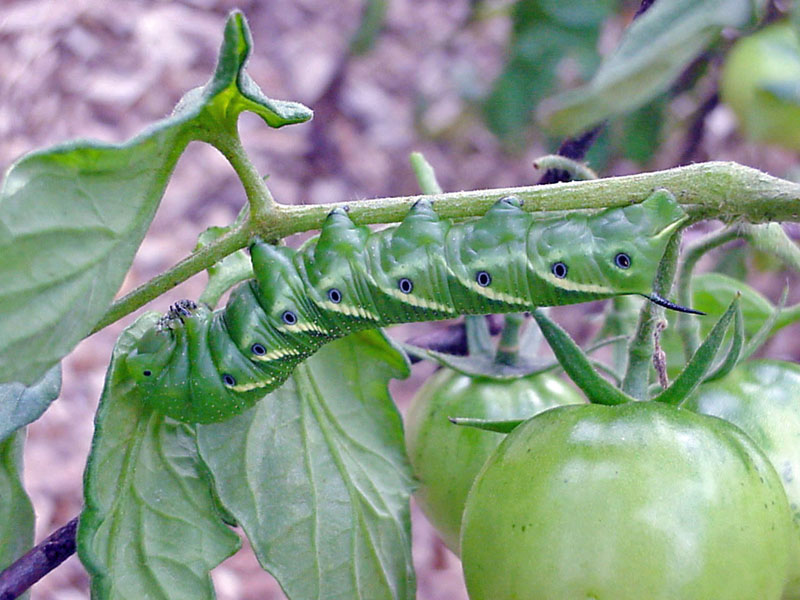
202,366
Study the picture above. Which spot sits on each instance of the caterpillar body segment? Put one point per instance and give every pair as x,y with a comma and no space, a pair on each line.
202,366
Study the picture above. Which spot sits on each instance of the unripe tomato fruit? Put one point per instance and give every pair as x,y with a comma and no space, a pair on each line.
770,57
446,457
762,398
629,502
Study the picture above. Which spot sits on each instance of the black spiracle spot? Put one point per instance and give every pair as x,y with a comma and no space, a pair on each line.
289,317
334,295
258,349
622,260
483,279
147,372
405,285
559,269
229,380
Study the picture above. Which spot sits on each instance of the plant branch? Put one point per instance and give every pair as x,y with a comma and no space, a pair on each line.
38,561
260,199
640,351
574,148
724,190
687,327
191,265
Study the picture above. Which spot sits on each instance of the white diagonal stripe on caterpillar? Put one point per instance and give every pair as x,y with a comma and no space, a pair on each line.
488,292
276,354
253,385
303,327
574,286
413,300
347,309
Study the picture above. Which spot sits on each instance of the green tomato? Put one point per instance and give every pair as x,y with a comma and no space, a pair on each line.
760,83
762,397
446,457
626,502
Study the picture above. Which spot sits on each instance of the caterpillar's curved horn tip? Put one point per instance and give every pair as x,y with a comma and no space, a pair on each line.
655,298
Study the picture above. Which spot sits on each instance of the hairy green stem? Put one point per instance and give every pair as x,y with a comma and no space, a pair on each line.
262,204
508,348
577,170
687,326
706,190
425,174
640,351
772,239
193,264
709,190
769,238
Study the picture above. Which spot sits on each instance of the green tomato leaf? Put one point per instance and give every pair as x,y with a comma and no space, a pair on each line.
72,216
21,404
545,33
16,511
150,528
316,474
641,130
698,366
577,365
654,50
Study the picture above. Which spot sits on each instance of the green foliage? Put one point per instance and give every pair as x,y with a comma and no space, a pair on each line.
317,477
654,50
16,512
150,527
75,214
761,83
20,404
545,33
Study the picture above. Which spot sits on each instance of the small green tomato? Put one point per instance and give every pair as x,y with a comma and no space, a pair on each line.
446,457
762,397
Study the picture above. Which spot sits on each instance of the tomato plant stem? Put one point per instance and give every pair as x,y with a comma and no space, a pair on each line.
260,199
640,351
191,265
508,348
706,190
687,327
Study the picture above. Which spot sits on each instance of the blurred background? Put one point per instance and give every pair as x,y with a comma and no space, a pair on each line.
454,79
